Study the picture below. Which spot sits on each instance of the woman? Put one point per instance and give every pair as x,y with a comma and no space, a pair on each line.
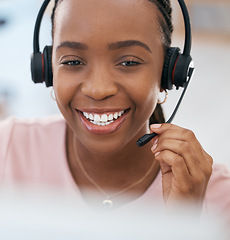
107,63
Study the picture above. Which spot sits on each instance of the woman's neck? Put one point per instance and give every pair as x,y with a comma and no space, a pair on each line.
131,169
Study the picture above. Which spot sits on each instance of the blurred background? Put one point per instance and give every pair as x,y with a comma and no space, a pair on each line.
206,107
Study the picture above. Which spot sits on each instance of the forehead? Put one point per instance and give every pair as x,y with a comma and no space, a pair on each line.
115,19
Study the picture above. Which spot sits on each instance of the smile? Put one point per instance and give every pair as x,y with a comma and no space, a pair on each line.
102,119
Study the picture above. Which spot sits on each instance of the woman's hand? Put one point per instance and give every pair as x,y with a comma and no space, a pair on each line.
185,166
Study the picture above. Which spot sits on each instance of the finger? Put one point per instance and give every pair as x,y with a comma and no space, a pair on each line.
170,131
183,149
177,165
182,181
174,132
204,160
206,165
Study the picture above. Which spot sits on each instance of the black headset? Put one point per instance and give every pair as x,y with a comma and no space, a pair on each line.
176,64
177,70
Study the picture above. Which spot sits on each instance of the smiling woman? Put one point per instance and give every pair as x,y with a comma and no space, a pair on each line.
107,75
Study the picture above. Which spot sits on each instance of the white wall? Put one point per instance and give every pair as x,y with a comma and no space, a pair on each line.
25,98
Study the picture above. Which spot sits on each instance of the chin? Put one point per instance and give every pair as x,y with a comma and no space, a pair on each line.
106,146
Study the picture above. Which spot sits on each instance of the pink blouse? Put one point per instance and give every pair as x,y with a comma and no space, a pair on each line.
32,153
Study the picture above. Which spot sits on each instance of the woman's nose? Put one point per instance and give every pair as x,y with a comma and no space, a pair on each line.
99,85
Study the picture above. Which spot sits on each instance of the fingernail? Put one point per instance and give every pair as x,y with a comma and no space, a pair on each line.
153,147
156,154
154,126
156,141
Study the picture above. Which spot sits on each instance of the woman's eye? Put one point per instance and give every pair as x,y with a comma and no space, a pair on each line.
72,63
130,63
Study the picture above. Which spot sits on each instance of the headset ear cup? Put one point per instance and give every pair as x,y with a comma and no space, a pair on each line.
37,67
169,63
181,70
48,73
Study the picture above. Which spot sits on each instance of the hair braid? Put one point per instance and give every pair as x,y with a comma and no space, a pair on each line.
165,20
56,2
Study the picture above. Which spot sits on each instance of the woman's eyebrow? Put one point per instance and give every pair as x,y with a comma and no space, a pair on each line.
111,46
73,45
128,43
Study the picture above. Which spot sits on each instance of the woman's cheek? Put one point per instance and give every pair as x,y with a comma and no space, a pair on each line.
63,87
148,92
146,98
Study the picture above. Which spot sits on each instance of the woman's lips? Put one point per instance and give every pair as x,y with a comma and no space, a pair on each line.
103,122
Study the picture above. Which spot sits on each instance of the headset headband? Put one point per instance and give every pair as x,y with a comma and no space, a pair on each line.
176,65
187,42
36,47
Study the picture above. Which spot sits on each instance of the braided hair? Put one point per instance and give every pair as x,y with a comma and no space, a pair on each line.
165,21
166,29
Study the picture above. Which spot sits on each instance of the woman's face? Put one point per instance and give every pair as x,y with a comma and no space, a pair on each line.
107,65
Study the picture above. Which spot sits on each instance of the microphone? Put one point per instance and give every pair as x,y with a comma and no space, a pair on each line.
148,137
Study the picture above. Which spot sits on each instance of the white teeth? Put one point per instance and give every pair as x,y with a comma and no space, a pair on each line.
110,118
104,119
101,124
97,118
91,116
86,114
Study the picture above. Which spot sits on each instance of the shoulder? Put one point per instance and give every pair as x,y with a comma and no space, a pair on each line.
10,123
33,151
219,180
22,131
13,125
218,191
